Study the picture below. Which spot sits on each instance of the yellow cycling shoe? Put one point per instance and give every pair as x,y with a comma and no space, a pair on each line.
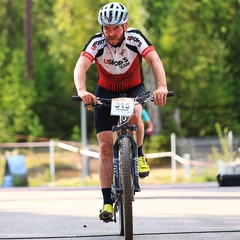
106,213
143,167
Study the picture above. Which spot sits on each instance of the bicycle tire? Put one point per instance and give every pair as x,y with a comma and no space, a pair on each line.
126,181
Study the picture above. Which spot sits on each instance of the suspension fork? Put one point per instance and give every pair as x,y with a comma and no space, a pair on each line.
135,173
116,171
135,159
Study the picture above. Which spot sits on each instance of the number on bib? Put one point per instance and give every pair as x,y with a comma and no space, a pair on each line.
122,106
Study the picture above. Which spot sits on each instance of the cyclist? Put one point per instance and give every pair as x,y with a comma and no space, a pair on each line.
148,125
117,52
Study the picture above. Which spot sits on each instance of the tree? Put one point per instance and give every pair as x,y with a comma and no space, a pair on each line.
194,56
16,96
28,39
197,40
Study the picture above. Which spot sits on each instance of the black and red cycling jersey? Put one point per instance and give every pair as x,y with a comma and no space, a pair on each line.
119,68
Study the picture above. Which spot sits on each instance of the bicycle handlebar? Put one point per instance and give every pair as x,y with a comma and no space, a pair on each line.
144,97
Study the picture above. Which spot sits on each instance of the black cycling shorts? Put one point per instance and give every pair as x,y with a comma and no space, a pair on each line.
102,119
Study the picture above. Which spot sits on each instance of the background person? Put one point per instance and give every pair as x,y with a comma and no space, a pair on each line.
148,125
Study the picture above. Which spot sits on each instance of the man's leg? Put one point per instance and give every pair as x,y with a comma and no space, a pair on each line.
106,173
136,119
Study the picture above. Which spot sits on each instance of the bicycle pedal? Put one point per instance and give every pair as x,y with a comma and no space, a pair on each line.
143,175
137,188
108,220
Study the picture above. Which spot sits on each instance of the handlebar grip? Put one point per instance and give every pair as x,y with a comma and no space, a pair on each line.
170,94
76,98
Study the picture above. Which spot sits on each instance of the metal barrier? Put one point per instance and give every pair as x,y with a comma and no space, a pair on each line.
186,162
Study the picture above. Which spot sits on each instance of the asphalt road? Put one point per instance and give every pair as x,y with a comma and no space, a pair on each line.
180,211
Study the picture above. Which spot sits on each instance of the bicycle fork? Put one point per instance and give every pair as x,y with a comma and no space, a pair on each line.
134,159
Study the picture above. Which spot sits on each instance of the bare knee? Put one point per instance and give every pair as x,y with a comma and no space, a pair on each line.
136,120
105,150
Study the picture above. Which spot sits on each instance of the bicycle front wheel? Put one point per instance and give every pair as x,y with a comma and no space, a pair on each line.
125,149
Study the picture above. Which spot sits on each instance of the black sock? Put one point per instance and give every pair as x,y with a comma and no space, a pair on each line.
107,199
140,151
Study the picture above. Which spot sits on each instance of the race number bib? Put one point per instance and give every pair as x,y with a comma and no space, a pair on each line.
122,106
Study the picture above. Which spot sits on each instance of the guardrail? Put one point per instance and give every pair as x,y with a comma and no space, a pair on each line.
185,161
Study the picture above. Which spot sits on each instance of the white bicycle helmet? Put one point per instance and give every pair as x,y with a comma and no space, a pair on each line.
113,14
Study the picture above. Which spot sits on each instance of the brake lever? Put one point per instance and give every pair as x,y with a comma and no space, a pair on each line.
89,104
98,104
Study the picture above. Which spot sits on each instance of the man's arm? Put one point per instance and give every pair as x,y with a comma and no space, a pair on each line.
82,66
160,95
149,127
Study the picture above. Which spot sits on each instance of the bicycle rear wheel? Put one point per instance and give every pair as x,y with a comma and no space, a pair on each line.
125,207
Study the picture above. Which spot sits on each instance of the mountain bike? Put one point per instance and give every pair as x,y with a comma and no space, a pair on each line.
125,157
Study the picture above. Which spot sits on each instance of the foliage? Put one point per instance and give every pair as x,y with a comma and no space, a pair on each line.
226,153
16,95
197,40
158,143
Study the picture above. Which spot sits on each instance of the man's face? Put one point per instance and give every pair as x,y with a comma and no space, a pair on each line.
114,34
